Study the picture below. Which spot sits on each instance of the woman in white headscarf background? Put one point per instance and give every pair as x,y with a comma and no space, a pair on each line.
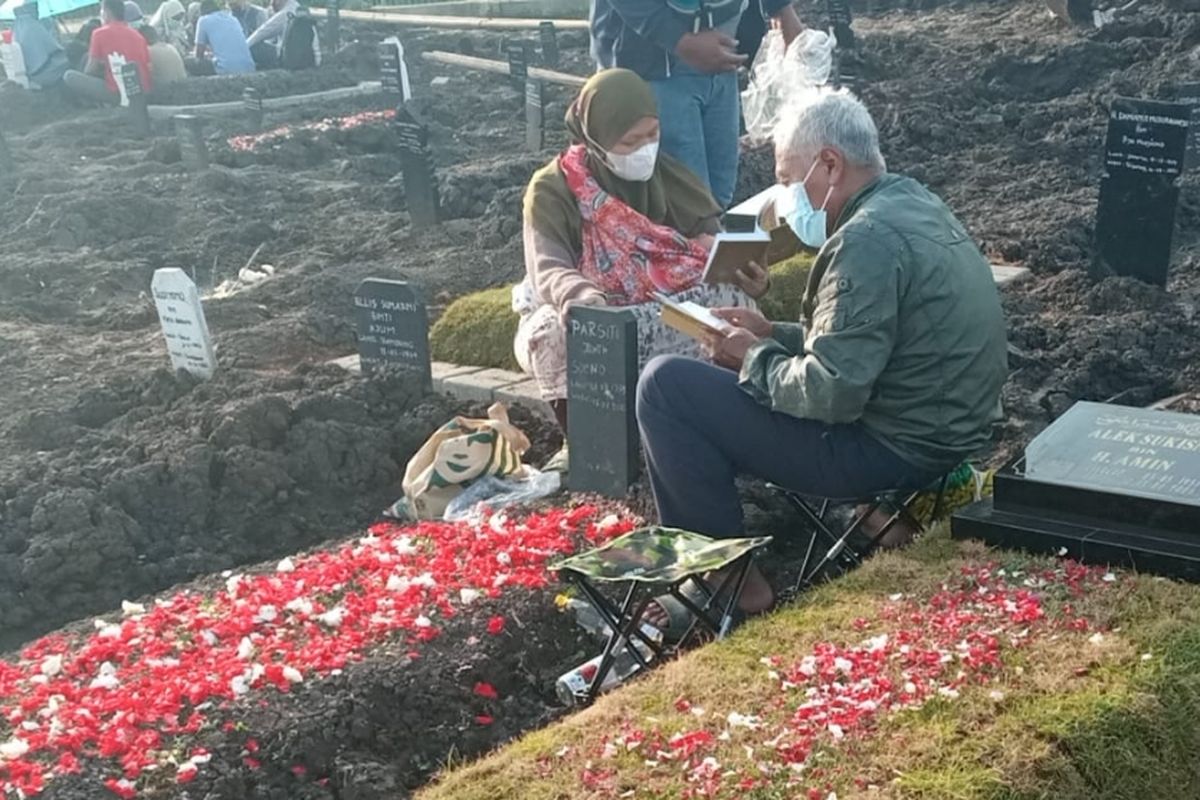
170,22
45,59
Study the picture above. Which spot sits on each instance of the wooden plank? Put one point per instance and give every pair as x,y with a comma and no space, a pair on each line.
501,67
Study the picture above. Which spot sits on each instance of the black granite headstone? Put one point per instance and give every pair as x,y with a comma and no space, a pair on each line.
252,102
518,63
189,130
602,370
840,20
389,68
7,167
1105,484
1188,94
416,162
1143,159
333,24
548,37
393,328
535,117
139,114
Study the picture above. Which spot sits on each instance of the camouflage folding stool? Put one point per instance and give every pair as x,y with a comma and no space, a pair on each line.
655,561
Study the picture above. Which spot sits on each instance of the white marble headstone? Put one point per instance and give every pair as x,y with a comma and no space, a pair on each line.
182,318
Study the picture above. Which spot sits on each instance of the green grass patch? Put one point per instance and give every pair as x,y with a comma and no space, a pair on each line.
788,281
1068,716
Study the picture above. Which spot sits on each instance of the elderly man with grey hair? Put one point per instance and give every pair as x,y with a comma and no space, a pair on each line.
891,378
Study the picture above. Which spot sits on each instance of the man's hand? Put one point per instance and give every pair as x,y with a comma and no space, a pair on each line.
788,22
730,349
753,280
709,51
746,318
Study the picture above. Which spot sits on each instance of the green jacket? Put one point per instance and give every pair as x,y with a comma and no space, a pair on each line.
902,331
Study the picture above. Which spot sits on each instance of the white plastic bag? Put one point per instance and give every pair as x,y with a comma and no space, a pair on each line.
778,75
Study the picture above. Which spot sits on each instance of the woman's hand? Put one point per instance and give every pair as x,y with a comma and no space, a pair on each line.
729,350
587,300
753,280
705,240
746,318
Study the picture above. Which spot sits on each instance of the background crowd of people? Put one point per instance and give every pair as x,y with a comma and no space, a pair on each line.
205,38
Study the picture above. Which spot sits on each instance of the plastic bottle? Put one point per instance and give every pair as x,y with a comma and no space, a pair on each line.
571,687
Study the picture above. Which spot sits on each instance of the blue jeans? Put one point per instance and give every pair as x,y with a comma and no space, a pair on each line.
700,430
700,118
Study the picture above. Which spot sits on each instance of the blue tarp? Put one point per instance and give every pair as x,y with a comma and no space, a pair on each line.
46,8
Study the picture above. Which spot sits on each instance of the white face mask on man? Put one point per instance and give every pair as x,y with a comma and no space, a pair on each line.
637,166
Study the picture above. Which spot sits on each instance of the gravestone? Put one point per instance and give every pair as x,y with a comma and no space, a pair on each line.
416,162
393,71
182,316
252,102
518,63
535,117
1188,94
602,371
189,130
839,21
333,24
139,114
548,37
1103,484
1143,159
7,166
393,329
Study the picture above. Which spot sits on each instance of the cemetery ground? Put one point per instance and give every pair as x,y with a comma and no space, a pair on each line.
121,481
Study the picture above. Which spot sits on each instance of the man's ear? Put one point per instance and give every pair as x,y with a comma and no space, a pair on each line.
834,162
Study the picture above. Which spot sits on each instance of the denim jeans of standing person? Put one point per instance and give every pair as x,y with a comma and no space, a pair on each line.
700,430
700,118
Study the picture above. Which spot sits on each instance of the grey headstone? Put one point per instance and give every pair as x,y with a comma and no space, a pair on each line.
548,37
602,370
182,316
1120,449
333,24
389,68
1143,159
1188,94
139,113
420,181
189,130
393,329
535,116
253,103
518,63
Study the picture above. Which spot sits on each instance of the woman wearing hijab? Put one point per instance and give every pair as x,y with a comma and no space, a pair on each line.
611,222
170,22
45,59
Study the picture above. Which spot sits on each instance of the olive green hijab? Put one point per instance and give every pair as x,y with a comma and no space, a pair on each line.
609,104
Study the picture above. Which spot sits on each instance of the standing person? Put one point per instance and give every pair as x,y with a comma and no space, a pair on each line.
220,42
45,59
166,65
293,32
685,49
114,37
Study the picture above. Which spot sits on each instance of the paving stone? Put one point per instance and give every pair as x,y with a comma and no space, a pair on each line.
442,370
480,386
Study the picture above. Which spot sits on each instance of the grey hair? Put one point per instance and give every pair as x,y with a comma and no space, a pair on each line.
824,117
